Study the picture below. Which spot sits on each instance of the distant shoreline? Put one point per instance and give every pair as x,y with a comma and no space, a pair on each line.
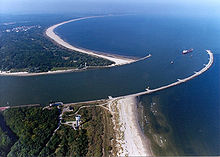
117,59
5,73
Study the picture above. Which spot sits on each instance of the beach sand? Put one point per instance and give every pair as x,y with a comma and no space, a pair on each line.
118,60
130,139
8,73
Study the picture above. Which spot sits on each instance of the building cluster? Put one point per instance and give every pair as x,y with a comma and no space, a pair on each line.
22,28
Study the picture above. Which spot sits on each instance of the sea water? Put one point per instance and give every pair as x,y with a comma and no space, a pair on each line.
163,37
190,109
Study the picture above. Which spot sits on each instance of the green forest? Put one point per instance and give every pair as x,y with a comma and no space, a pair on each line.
92,139
33,133
32,51
33,126
5,143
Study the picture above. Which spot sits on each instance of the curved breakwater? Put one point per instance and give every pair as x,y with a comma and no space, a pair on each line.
127,110
179,81
148,91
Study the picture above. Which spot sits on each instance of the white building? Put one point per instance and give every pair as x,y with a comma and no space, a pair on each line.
77,120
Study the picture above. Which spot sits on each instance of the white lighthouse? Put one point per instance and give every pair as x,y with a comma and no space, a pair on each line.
77,120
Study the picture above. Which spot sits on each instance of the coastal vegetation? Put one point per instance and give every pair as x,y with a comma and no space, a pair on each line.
7,137
30,50
5,143
99,130
35,128
67,142
93,138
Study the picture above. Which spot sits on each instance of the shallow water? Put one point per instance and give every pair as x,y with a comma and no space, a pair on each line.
192,111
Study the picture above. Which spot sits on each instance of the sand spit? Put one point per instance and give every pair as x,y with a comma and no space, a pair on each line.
116,59
129,138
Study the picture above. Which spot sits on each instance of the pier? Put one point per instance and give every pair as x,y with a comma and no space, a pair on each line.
179,81
149,91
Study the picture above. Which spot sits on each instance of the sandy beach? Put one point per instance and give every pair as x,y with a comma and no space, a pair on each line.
116,59
8,73
130,139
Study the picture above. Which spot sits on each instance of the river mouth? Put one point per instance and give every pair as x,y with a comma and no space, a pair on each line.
153,72
91,84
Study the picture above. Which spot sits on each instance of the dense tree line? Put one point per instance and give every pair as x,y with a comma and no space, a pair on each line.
7,137
94,125
5,143
87,141
67,142
34,127
32,51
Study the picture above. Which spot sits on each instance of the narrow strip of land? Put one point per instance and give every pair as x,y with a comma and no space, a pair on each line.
118,60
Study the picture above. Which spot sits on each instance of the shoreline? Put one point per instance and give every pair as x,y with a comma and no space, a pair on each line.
5,73
8,73
117,59
130,140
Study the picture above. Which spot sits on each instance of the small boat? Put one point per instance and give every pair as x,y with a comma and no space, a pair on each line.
187,51
171,62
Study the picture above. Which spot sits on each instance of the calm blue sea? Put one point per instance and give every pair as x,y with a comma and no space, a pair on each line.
137,35
192,109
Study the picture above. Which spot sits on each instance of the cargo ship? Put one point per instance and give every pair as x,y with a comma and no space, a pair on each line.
187,51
